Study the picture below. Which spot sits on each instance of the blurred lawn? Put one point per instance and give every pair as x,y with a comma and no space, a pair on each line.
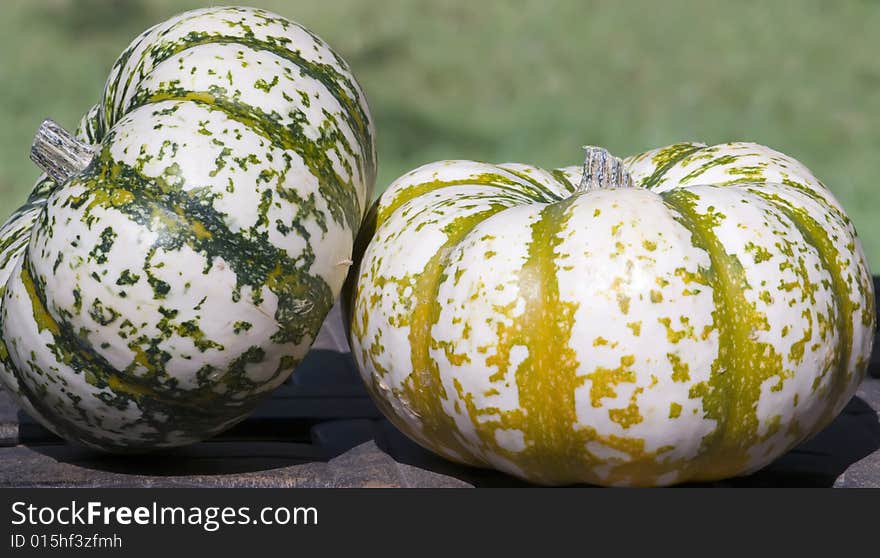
522,81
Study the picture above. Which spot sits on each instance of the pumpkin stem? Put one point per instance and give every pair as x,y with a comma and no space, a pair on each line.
58,153
603,170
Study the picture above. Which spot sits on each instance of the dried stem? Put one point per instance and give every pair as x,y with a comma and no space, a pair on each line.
603,170
58,153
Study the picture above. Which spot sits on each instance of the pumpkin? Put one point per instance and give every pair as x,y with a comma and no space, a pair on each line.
687,314
181,256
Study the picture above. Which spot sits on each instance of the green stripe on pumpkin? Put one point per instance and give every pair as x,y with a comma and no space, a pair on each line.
326,74
743,363
187,218
818,237
340,194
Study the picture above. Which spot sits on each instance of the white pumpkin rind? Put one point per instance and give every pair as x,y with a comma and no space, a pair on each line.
693,328
168,287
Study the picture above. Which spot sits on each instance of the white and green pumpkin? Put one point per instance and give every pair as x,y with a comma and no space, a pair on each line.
153,297
565,328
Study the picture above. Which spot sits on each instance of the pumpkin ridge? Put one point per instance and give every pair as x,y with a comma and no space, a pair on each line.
712,162
677,153
536,405
341,194
236,371
818,237
41,191
560,176
548,445
424,381
12,244
90,129
499,181
325,74
739,365
149,198
69,347
111,88
550,196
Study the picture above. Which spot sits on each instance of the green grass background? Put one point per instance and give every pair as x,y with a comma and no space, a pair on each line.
522,81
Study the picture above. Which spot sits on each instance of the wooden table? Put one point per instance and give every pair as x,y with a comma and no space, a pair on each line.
320,429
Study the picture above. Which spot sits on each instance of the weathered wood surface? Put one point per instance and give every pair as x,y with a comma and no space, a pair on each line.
321,430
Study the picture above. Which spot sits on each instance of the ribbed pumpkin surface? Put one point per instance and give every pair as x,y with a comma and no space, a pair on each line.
694,327
154,298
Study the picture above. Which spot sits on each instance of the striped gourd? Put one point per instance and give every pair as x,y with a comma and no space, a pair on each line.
565,328
153,297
